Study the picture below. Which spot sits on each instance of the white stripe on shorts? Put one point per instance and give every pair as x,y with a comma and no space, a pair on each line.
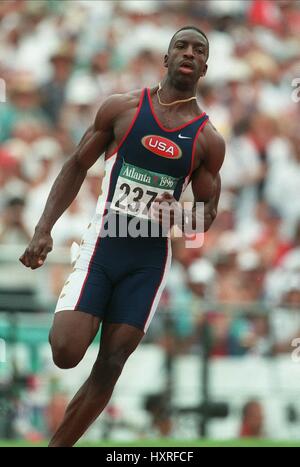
71,291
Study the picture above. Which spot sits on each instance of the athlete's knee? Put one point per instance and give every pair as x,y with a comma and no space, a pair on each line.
64,354
111,365
65,359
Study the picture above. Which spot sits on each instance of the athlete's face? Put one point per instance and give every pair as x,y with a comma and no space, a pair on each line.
187,56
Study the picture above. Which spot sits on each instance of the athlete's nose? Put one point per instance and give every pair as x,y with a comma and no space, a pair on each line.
189,52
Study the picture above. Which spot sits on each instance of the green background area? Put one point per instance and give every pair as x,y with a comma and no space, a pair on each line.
171,443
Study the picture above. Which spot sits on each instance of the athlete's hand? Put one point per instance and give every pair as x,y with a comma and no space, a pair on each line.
166,210
35,254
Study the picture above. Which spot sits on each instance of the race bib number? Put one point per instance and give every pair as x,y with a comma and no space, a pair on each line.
137,188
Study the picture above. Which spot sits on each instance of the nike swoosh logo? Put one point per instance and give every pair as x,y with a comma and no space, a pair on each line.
184,137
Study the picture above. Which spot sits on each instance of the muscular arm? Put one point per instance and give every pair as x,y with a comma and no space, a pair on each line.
73,172
206,187
206,180
70,179
210,205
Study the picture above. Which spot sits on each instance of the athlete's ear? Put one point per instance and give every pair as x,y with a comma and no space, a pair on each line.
204,70
166,58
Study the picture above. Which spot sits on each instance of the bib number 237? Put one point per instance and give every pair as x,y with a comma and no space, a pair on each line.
137,197
136,189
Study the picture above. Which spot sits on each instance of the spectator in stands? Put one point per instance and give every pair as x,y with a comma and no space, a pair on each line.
252,424
24,104
285,319
54,91
158,407
12,228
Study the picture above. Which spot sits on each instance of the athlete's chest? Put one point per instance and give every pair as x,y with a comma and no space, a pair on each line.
168,120
170,117
166,141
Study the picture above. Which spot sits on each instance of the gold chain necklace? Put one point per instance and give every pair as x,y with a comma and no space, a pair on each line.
172,103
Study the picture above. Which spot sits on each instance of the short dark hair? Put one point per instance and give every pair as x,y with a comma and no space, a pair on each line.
194,28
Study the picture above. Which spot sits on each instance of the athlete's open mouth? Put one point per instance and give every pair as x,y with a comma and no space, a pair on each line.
186,66
187,63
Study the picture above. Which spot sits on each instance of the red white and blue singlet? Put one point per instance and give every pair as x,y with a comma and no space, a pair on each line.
120,279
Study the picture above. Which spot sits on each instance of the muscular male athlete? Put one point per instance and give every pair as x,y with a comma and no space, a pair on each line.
154,137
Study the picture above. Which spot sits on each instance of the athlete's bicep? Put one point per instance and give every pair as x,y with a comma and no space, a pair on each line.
204,185
91,148
206,182
98,136
215,150
206,190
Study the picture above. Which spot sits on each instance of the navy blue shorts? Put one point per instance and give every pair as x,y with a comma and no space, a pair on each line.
119,280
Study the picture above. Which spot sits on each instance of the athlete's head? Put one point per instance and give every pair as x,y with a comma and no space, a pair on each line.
187,56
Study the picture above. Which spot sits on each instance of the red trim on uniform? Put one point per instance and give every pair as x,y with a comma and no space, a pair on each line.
194,145
111,155
170,129
130,126
97,242
161,279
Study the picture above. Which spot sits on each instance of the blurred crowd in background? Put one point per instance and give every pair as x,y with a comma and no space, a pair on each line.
60,59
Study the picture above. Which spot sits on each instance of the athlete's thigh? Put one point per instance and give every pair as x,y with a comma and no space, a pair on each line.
80,308
73,330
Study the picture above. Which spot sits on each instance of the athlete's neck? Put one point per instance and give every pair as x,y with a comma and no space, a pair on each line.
171,91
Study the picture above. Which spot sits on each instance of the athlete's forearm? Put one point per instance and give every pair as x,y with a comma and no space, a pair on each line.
210,214
63,192
198,219
203,214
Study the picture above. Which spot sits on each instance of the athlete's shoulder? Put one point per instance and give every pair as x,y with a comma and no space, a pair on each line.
213,137
116,104
121,101
212,144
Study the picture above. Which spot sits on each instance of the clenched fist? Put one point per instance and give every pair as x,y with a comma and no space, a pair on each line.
166,210
35,254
